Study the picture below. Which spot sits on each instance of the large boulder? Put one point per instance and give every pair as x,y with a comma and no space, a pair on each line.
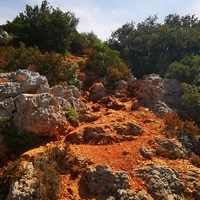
161,95
101,180
97,91
170,149
25,96
40,114
163,183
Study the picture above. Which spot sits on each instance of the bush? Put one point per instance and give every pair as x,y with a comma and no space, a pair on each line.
70,113
49,182
3,60
192,96
100,58
17,142
52,65
21,58
118,71
175,126
53,161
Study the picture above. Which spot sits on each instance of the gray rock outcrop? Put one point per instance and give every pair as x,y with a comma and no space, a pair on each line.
4,37
101,180
40,114
163,183
191,144
170,149
161,95
26,187
26,97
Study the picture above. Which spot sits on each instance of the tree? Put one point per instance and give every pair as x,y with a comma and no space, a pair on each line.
187,70
150,47
45,27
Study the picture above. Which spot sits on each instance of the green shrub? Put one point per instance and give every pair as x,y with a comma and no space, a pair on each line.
21,58
17,142
71,76
49,182
118,71
52,163
100,58
70,113
192,96
52,65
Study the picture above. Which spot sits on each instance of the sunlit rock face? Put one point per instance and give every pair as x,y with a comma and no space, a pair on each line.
27,99
161,95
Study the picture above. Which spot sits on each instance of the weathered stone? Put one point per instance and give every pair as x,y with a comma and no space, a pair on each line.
169,149
40,114
161,95
9,89
26,187
4,37
163,183
31,82
132,195
128,129
146,153
57,91
7,106
101,180
98,87
74,91
191,144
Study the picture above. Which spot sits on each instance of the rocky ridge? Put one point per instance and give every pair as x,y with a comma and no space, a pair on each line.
119,142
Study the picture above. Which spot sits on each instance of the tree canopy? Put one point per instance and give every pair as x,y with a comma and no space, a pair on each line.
45,27
150,47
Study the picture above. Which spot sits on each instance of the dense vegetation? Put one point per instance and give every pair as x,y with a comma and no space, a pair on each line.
150,47
45,27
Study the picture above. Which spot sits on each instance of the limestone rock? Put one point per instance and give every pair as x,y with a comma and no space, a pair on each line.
169,149
146,153
4,37
161,95
191,178
101,180
132,195
9,89
98,87
7,106
97,92
26,187
40,114
191,144
128,129
163,183
26,97
31,82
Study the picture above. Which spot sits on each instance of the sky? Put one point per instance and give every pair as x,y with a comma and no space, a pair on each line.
105,16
